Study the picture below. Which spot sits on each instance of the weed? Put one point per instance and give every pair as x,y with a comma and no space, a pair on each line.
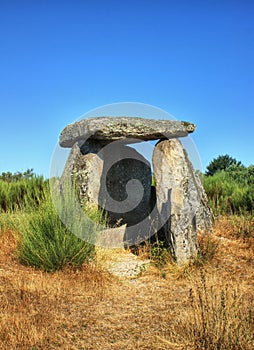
218,318
159,254
242,226
208,247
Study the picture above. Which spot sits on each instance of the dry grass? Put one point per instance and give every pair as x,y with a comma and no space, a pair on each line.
89,309
217,316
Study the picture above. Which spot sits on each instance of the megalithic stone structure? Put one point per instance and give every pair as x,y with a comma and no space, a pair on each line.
117,178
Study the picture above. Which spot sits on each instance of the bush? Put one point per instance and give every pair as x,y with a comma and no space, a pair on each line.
230,192
44,241
21,194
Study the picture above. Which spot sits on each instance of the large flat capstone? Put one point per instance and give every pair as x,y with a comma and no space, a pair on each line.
110,129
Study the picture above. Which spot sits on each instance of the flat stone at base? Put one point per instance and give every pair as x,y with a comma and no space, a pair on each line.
112,237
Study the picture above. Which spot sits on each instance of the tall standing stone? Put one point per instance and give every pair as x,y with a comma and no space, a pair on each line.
85,170
177,198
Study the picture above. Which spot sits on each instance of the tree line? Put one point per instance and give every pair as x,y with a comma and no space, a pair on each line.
229,186
228,183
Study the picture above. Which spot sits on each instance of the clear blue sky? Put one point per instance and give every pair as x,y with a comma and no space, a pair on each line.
59,59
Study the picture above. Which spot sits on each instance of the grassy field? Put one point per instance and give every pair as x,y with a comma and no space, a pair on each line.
56,291
205,305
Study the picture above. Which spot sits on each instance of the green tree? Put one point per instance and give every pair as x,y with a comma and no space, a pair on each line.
14,177
224,162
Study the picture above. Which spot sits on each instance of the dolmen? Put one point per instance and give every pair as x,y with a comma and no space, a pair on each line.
165,200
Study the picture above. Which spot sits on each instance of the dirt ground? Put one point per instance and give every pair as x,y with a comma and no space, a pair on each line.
104,307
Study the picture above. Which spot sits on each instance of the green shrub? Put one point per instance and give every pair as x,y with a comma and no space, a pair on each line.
159,254
21,194
44,241
230,192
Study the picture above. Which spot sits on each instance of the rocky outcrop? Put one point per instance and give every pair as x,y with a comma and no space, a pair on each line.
116,128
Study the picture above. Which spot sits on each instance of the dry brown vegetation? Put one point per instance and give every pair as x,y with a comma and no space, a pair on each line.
193,307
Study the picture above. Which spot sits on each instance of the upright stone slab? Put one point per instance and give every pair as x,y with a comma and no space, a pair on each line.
204,215
125,184
85,170
177,198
